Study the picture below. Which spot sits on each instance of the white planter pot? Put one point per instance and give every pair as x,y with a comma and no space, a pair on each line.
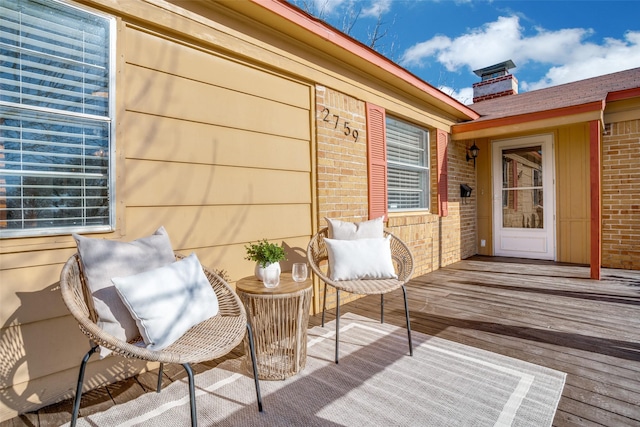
269,266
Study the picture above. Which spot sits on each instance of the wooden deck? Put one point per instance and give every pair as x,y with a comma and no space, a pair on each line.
542,312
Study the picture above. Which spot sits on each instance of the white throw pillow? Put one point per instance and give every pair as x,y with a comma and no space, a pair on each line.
344,230
360,259
167,301
102,259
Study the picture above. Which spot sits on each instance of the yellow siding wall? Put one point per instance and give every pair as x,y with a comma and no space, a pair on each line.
216,151
484,196
573,194
208,154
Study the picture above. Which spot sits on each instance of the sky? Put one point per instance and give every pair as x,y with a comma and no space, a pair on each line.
551,42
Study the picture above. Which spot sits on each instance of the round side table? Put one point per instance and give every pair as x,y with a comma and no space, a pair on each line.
279,318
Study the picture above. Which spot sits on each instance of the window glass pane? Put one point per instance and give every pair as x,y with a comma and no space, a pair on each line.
54,172
46,202
522,167
522,208
405,188
522,188
52,144
407,166
55,122
54,56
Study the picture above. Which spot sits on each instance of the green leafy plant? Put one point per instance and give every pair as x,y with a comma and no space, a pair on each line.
264,252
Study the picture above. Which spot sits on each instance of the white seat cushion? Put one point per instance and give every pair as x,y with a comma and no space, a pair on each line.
360,259
344,230
102,259
167,301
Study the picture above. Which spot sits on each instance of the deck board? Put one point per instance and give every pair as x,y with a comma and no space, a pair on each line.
546,313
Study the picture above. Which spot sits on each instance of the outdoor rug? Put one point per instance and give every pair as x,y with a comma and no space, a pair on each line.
376,383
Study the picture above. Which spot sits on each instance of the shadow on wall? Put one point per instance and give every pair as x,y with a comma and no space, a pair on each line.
294,254
23,353
39,366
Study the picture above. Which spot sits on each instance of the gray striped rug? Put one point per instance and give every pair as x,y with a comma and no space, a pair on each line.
376,383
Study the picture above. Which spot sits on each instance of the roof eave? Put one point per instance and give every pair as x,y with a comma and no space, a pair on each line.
351,47
622,95
529,121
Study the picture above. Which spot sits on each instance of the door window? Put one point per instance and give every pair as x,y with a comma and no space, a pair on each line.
522,201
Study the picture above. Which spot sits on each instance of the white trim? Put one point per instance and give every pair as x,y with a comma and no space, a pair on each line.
509,242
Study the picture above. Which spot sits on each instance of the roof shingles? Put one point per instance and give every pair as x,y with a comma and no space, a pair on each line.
556,97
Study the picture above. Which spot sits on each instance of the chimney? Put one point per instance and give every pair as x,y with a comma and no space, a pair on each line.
496,82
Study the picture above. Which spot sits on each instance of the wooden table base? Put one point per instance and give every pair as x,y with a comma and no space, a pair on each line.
279,318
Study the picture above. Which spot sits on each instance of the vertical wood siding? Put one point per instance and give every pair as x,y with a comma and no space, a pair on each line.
572,194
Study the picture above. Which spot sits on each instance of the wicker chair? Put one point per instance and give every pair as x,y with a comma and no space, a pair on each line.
403,262
208,340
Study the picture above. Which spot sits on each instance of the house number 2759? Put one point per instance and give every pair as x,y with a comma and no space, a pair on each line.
331,118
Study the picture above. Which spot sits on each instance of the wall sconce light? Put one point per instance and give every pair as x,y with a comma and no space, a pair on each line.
474,153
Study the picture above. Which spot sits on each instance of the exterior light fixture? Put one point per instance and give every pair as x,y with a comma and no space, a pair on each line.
474,153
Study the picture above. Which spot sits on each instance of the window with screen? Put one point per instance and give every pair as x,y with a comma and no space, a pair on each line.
56,103
407,166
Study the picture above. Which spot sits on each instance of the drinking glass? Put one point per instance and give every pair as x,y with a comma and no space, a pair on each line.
270,278
299,272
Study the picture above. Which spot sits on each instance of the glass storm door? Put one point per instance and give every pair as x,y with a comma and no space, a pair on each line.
523,193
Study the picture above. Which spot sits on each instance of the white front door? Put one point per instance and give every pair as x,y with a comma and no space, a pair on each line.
523,197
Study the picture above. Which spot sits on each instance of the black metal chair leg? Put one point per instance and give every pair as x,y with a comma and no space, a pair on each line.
324,303
381,308
160,371
252,349
78,396
337,322
192,394
406,310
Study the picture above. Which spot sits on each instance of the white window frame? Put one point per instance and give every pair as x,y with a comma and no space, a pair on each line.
30,110
408,150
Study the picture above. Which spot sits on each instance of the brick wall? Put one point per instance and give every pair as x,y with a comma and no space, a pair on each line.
494,95
495,88
342,159
438,241
464,211
342,188
343,191
621,196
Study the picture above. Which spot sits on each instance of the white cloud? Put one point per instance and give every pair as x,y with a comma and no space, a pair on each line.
590,60
566,53
464,95
494,42
377,8
416,54
560,56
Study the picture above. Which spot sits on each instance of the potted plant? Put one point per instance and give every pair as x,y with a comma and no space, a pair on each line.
266,256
